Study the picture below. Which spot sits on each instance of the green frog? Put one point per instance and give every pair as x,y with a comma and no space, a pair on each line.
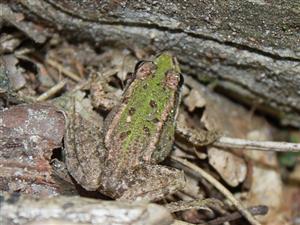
137,135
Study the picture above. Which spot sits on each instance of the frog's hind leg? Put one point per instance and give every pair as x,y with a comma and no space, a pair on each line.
84,150
154,182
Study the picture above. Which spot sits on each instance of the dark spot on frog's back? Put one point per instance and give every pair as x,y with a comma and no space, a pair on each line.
131,111
124,134
153,104
155,120
146,130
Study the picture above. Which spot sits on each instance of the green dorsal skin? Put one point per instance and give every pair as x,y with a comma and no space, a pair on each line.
148,103
149,100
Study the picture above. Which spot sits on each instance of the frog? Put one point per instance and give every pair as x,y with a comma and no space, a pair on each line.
137,135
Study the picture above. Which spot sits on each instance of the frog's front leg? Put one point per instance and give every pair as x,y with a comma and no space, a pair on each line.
153,182
196,137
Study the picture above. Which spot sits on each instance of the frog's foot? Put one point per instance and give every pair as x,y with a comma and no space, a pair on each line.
196,137
154,182
60,170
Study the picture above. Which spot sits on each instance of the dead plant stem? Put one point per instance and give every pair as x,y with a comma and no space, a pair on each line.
220,188
66,72
227,142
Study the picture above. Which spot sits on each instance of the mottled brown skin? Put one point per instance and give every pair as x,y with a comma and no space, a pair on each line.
137,134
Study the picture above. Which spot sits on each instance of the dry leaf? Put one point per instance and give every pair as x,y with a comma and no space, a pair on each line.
232,168
235,121
194,100
14,73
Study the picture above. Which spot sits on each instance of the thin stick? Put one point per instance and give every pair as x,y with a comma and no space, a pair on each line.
219,187
66,72
227,142
255,210
52,91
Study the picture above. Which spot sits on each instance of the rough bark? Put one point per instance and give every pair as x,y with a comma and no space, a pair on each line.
251,48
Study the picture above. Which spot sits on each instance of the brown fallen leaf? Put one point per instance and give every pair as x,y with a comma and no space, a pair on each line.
263,177
232,168
194,100
8,43
14,73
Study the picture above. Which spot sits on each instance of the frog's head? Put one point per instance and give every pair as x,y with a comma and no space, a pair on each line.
144,121
164,67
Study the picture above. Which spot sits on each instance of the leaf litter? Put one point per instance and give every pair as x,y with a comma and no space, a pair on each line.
32,133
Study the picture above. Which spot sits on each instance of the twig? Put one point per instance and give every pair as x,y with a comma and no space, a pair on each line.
255,210
219,187
52,91
59,67
227,142
194,204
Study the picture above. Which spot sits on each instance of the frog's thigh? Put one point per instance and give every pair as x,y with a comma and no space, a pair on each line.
154,182
84,151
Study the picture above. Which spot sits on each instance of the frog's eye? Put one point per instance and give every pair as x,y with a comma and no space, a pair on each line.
173,79
181,80
145,69
138,65
129,78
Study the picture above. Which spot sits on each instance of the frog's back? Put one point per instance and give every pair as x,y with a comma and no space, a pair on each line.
141,129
